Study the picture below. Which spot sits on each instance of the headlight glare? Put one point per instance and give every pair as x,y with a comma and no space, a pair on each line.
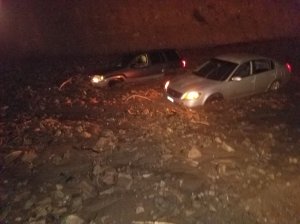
97,78
191,95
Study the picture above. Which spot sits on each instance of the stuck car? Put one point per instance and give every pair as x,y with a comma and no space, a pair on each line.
227,77
139,66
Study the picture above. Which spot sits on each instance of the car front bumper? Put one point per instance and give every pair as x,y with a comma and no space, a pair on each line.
102,83
186,103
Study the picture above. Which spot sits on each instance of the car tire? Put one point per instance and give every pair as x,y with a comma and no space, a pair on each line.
115,82
214,98
275,85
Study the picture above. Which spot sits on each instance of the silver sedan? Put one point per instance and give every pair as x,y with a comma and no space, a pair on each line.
227,77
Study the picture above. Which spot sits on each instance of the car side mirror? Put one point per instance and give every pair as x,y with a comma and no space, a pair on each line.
236,78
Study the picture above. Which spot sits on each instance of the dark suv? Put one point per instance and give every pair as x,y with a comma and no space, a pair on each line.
139,66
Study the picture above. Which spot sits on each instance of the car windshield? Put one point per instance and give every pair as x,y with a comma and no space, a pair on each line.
216,69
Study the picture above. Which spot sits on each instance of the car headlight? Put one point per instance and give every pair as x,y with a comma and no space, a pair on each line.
191,95
97,78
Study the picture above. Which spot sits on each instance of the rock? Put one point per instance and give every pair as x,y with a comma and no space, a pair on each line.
42,211
86,134
167,157
58,195
67,155
272,176
27,141
109,177
108,141
98,204
147,175
73,219
12,156
29,156
58,133
29,203
193,163
218,140
79,129
227,147
59,187
108,191
59,211
247,208
222,168
76,203
56,160
46,201
18,219
43,221
161,204
225,166
21,196
87,189
212,208
106,219
97,170
194,153
197,204
189,212
140,209
293,160
124,181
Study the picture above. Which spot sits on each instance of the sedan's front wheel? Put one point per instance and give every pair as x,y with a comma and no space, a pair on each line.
275,86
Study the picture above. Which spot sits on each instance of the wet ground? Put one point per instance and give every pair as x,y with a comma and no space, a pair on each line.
71,153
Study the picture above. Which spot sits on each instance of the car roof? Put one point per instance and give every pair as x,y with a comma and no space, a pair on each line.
151,51
239,57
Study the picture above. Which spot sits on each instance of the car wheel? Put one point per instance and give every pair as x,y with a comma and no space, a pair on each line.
275,85
115,82
214,98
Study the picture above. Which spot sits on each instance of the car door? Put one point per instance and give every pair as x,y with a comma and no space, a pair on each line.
157,67
172,61
242,82
139,67
146,65
264,72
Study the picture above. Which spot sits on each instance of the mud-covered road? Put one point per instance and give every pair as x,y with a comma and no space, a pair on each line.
71,153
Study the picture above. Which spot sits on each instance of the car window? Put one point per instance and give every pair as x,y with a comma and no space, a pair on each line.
262,65
156,58
216,69
141,61
171,55
243,70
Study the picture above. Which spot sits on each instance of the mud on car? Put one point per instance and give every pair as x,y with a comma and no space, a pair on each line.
139,66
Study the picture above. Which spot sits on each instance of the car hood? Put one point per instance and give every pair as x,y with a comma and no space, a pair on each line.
108,71
189,81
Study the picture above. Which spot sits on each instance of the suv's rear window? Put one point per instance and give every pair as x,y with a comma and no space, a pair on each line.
171,55
156,57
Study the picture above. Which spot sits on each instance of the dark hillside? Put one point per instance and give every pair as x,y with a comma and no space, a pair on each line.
59,27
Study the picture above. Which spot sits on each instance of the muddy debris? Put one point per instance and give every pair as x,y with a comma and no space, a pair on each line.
75,154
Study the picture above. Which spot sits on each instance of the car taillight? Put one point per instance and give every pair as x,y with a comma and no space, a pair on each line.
288,67
183,63
167,85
